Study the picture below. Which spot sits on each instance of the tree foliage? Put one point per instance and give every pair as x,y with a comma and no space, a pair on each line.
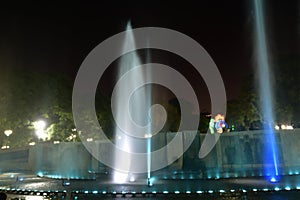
244,112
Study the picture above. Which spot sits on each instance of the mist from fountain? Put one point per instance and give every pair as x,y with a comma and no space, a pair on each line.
265,91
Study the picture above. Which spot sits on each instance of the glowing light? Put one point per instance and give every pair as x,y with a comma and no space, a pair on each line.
176,192
40,174
39,125
132,179
56,142
31,143
286,127
273,180
89,139
120,177
287,188
150,181
277,189
277,127
8,132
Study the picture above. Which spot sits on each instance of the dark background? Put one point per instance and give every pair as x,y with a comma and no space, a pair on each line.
56,36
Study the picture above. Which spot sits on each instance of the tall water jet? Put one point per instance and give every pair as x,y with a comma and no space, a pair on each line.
265,91
127,138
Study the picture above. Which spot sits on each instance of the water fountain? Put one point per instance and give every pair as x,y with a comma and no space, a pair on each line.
265,91
127,139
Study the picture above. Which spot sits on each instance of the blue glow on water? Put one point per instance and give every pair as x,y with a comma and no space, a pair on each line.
273,180
40,174
287,188
265,90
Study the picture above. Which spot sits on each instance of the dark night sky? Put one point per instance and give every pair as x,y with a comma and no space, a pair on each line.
57,37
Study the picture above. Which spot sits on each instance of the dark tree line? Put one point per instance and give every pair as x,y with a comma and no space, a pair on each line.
245,113
27,96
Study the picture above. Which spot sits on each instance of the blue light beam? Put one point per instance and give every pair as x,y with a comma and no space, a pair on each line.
265,91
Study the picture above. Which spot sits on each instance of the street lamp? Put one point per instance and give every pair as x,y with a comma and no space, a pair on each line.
7,133
39,127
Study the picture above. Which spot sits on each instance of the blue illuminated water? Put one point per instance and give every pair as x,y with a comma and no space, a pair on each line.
265,91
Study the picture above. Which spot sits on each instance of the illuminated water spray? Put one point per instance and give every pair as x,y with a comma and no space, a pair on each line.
265,91
127,138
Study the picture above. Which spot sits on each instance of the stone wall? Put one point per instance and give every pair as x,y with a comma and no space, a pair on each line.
237,154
